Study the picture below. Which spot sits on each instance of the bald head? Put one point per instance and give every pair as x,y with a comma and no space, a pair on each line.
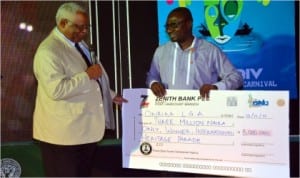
183,12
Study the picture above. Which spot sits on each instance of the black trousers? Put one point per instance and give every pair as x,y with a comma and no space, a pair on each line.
68,161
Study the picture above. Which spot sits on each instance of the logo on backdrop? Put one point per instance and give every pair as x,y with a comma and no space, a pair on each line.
10,168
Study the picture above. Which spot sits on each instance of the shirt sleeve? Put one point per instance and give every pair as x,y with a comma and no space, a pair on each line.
153,74
230,78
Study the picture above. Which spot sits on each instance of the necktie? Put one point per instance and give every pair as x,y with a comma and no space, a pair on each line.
87,61
105,92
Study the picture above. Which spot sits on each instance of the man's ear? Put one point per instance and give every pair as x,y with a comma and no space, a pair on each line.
63,23
190,24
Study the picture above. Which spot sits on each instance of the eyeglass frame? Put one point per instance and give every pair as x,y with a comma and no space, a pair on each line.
80,27
174,25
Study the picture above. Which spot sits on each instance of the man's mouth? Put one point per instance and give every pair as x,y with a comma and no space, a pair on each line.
172,36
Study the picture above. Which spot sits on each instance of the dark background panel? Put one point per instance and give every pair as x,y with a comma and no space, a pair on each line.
143,33
144,39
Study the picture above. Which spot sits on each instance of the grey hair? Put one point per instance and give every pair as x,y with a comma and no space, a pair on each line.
68,11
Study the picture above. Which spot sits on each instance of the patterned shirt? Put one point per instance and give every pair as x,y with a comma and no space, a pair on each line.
201,63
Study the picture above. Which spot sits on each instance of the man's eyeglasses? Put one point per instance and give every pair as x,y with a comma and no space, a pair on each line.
174,25
79,27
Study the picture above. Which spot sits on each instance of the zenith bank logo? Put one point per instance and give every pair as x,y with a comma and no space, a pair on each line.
256,102
144,103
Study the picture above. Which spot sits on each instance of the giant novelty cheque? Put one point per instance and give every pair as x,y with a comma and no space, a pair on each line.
234,133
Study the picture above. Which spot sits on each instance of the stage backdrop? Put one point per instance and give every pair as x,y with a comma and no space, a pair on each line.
257,36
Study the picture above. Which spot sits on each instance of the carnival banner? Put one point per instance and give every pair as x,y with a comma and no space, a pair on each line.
257,36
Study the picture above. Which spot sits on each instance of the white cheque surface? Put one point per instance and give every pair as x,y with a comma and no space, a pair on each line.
235,133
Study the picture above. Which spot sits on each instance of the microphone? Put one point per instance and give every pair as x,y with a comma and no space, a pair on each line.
94,59
93,55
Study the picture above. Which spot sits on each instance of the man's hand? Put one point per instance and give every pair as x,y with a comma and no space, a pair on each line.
94,71
119,100
204,90
158,89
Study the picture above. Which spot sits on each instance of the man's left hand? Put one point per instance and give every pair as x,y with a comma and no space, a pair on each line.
119,100
204,90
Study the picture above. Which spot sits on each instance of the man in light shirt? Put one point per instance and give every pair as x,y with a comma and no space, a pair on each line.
187,62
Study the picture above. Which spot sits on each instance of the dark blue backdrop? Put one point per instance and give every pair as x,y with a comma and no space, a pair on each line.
259,38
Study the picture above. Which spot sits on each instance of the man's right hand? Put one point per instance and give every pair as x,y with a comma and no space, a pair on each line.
94,71
158,89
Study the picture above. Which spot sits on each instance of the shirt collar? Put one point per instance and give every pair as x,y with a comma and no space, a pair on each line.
64,37
190,47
